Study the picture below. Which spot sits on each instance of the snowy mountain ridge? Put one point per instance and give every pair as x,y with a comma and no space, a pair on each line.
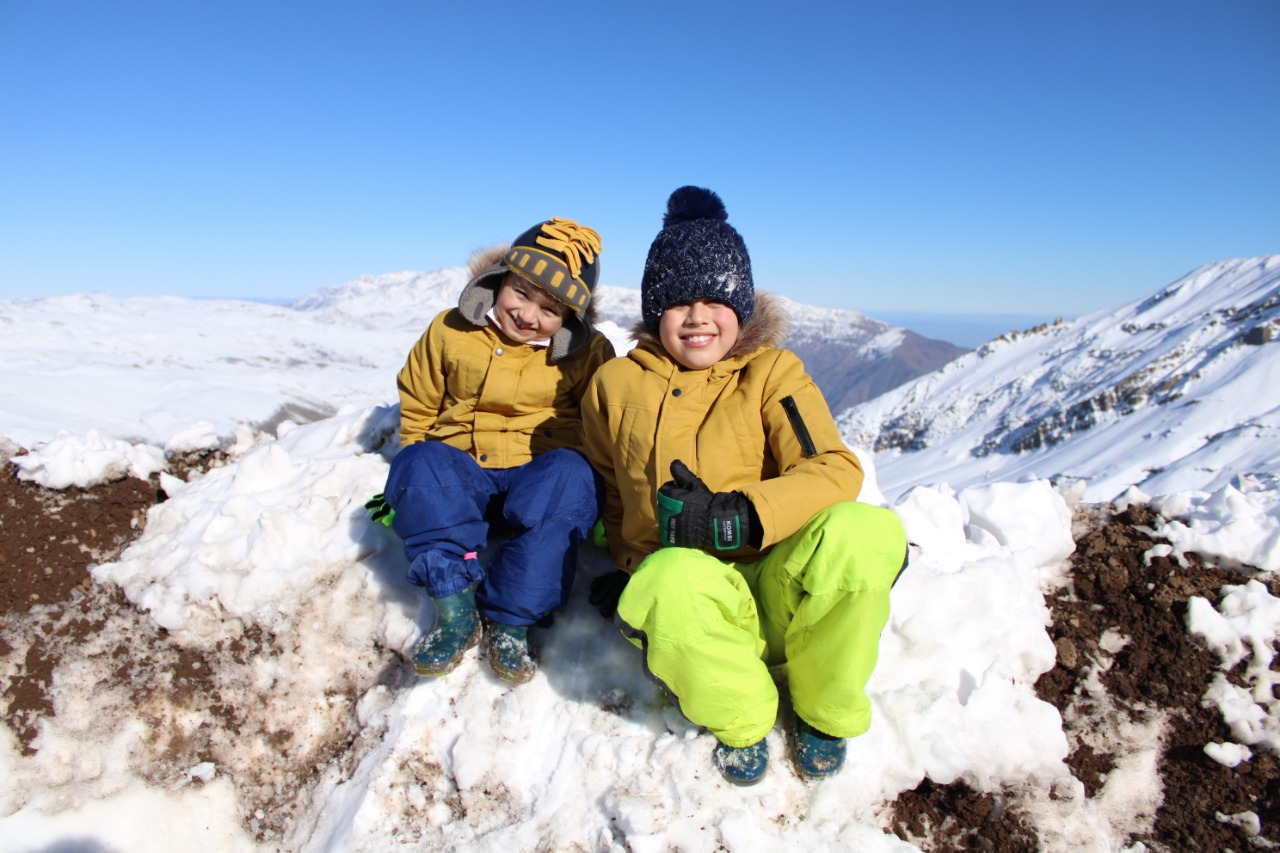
147,368
404,298
377,297
851,356
1175,391
1171,392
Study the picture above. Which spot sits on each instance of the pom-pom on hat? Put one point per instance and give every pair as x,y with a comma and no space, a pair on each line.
696,255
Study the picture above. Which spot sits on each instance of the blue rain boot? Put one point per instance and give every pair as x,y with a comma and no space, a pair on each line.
457,629
816,755
507,648
743,765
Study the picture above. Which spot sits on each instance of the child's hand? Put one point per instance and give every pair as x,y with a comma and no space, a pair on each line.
599,536
606,590
691,516
380,510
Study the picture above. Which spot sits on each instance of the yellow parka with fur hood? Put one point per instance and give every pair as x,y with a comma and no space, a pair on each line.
754,422
466,384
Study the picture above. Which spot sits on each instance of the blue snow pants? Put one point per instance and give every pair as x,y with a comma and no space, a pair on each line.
445,503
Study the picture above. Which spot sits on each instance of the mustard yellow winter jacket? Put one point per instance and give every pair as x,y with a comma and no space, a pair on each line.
755,422
499,401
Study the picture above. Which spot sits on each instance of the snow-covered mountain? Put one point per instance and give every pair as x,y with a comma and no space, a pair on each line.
1172,392
145,368
1178,391
851,356
396,299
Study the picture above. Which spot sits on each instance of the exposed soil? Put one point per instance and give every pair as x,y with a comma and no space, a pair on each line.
1161,668
49,540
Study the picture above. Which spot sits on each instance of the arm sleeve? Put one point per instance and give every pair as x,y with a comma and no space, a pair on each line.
598,445
421,385
815,467
599,350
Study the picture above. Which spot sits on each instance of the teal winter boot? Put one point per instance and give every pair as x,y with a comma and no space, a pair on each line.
507,648
457,629
816,755
743,765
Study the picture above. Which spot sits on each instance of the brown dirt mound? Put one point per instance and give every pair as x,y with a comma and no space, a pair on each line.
1162,667
53,613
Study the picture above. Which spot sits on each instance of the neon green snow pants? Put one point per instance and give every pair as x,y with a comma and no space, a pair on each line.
818,601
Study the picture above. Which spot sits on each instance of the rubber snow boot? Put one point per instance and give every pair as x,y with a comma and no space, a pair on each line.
507,648
743,765
457,629
816,755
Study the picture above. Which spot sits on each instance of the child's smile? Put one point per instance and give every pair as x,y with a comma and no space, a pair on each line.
699,333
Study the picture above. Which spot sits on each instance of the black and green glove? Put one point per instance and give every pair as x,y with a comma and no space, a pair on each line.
691,516
606,590
380,510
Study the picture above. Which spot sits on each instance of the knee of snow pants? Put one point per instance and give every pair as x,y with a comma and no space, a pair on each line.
823,595
440,495
551,504
695,619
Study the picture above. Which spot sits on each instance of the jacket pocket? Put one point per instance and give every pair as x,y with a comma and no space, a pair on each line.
801,428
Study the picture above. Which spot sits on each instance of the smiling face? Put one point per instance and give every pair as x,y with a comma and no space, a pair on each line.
698,333
526,312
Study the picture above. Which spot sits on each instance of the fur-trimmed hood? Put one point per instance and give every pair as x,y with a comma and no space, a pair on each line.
487,269
767,328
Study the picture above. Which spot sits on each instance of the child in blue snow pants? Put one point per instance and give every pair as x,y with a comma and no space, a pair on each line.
445,504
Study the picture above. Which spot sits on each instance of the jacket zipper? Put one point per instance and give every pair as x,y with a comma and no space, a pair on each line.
798,424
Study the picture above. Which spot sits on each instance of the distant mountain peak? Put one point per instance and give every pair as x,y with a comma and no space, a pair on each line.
1159,379
398,295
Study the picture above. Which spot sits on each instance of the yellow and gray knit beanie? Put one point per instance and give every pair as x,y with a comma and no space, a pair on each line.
559,256
697,255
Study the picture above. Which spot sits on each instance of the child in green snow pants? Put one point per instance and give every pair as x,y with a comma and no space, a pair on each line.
710,629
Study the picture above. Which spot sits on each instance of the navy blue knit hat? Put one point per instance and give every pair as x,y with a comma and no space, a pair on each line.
696,255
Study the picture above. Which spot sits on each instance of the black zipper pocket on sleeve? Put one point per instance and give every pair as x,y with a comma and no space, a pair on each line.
798,424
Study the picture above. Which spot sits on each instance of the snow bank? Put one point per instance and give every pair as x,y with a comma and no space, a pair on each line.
278,544
1244,627
89,461
1237,525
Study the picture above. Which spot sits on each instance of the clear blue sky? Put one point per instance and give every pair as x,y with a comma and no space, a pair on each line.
927,155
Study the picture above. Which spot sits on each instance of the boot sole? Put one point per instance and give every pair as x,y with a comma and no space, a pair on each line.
514,676
743,783
435,670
